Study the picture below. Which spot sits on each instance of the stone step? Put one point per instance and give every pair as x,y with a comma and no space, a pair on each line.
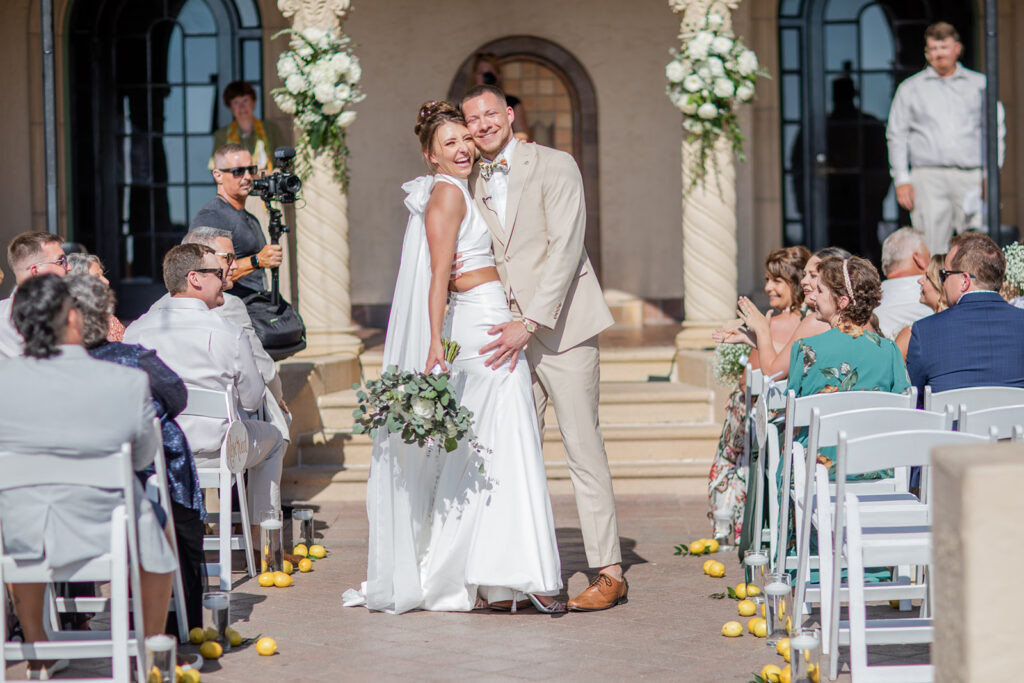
625,444
620,403
633,364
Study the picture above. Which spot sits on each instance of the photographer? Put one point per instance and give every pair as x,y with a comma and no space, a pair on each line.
234,172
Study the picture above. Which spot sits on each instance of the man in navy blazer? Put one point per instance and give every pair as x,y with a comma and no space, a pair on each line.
979,339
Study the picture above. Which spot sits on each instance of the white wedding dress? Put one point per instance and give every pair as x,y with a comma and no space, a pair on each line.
446,528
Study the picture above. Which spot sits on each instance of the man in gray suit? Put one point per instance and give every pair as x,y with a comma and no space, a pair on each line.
70,405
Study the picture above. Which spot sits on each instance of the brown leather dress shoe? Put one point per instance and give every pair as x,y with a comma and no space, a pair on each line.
603,592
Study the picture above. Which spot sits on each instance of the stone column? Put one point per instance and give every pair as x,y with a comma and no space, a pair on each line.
321,224
709,219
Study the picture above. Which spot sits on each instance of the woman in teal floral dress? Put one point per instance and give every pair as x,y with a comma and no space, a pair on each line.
727,481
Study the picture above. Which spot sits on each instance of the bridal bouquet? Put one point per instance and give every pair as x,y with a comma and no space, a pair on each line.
321,83
707,79
728,362
420,407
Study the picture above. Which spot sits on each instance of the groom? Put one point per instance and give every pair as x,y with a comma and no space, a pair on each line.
532,199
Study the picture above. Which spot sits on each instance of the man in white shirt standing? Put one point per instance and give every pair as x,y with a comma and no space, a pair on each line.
935,140
905,259
209,352
29,254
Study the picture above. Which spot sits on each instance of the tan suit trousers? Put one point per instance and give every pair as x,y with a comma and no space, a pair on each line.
938,203
571,380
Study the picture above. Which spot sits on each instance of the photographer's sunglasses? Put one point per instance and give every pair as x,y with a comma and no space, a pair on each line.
240,171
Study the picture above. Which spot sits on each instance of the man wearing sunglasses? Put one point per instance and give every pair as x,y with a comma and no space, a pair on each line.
979,340
29,255
234,172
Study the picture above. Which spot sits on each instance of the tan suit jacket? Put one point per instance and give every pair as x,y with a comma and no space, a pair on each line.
539,253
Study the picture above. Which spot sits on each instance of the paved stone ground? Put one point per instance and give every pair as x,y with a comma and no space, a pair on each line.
669,630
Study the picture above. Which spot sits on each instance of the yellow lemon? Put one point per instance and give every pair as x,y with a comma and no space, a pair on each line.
234,637
771,673
786,676
154,676
712,545
761,628
752,590
762,610
210,633
707,563
179,673
782,646
753,622
190,676
697,547
301,550
263,565
195,636
716,570
746,608
317,551
740,590
266,579
282,580
732,629
814,672
211,650
789,624
305,565
288,568
266,646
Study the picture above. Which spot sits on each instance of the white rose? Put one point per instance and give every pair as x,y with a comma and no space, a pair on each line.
687,106
721,45
312,34
355,72
308,118
693,83
340,62
322,73
675,72
304,50
716,67
704,37
324,93
747,62
745,92
707,111
346,118
715,21
331,108
697,51
724,88
285,102
286,65
342,92
691,126
422,408
295,84
705,74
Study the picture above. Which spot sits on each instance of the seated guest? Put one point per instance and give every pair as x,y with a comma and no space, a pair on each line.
93,299
209,352
29,254
90,264
932,296
259,137
979,339
59,401
234,172
904,260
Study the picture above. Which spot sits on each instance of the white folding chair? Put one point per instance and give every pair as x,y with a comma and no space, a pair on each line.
1004,422
885,502
975,398
889,545
772,398
119,566
228,471
798,415
862,631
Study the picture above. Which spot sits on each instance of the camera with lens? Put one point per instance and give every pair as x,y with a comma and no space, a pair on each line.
282,185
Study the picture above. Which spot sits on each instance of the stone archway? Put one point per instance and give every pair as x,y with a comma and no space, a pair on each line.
584,113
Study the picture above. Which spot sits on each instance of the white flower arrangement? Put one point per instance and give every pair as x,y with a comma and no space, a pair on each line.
708,77
728,362
321,84
1014,277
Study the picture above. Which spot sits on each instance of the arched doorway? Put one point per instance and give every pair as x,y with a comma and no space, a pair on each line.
145,80
840,63
543,75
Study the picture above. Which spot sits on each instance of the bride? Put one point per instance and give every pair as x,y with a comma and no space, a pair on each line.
461,530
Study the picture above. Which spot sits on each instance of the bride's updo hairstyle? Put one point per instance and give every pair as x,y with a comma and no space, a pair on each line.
856,279
433,115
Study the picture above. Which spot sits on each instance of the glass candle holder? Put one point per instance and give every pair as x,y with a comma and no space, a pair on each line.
805,655
755,564
217,616
271,541
161,659
306,526
724,530
777,597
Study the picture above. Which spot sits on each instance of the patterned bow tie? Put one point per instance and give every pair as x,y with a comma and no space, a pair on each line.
487,169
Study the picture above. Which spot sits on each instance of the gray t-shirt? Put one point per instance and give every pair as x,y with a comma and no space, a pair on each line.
245,233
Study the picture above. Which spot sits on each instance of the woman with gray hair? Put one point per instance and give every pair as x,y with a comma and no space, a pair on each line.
93,299
90,264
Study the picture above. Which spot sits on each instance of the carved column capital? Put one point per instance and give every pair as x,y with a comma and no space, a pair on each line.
322,14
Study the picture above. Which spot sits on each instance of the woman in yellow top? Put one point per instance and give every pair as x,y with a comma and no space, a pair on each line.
261,138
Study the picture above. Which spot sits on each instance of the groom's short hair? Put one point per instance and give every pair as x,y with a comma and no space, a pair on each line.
478,90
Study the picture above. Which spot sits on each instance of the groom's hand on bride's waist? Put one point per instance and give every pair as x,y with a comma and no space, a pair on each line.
513,339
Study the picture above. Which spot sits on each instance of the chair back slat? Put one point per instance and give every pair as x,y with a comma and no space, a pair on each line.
975,398
106,470
844,401
1003,419
868,421
209,403
911,448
